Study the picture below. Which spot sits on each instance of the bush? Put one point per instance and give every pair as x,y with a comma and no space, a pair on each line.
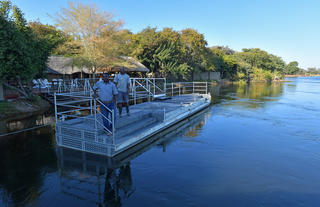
268,75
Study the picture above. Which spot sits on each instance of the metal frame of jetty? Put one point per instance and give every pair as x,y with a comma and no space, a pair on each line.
79,123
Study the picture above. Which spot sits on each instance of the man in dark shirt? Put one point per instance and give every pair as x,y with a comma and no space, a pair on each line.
107,94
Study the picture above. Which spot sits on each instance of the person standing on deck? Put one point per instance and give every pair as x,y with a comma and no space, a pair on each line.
122,80
107,94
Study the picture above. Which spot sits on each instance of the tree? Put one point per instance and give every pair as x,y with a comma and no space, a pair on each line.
94,31
52,36
261,59
292,68
159,51
194,49
23,55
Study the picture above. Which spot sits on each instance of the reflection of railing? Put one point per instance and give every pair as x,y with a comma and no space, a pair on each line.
94,179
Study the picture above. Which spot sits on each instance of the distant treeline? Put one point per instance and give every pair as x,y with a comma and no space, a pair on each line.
94,39
310,71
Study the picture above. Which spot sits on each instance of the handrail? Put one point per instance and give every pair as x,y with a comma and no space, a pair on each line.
183,87
112,121
85,103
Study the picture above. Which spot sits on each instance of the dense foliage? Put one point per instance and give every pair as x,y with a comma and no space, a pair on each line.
23,54
94,39
170,53
311,71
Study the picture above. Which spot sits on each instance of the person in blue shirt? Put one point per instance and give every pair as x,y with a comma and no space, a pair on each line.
107,93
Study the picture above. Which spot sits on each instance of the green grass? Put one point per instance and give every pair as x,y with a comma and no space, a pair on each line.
6,107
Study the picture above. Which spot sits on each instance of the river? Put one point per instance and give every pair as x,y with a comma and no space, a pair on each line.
257,145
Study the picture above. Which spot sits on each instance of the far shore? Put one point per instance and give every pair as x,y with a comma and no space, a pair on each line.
293,76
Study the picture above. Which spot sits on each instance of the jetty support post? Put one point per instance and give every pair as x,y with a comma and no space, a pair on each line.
55,107
113,125
206,87
154,86
148,86
134,92
192,87
90,102
95,113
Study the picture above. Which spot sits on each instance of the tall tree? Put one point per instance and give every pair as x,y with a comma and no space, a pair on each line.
23,55
54,37
93,30
292,68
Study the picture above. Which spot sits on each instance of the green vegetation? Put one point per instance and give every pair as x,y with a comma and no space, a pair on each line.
22,107
312,71
23,54
6,107
94,39
94,32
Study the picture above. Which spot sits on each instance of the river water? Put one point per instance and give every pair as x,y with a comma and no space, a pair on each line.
257,145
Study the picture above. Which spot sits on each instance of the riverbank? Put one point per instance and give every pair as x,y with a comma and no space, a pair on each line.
294,76
22,108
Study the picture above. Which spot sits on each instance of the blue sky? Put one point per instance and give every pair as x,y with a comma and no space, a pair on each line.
289,29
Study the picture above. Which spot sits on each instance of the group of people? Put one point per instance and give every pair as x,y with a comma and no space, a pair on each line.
112,93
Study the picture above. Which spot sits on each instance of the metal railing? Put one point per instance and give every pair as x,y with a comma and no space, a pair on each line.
83,105
64,85
146,88
179,88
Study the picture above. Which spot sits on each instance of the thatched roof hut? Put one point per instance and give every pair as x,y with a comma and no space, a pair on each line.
66,66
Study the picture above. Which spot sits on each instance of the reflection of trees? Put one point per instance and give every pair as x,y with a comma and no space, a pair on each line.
257,93
193,130
24,159
189,127
24,123
259,90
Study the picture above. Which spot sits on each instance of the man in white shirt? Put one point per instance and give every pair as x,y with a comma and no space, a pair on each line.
122,80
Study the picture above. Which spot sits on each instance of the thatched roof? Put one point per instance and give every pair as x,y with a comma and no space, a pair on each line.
64,65
51,71
130,64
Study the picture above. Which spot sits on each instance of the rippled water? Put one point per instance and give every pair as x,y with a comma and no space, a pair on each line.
257,145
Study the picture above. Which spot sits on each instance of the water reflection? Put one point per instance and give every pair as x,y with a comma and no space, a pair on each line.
94,178
25,160
104,181
10,125
254,95
267,155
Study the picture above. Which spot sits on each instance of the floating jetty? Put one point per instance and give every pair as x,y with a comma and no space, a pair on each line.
161,107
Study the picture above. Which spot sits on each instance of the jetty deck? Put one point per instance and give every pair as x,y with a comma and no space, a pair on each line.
87,133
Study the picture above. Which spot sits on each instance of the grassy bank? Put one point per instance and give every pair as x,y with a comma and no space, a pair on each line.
302,75
22,108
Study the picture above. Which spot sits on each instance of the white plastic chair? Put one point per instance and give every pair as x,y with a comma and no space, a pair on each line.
36,84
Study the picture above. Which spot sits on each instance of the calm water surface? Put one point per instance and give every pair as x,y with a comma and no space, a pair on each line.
257,145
